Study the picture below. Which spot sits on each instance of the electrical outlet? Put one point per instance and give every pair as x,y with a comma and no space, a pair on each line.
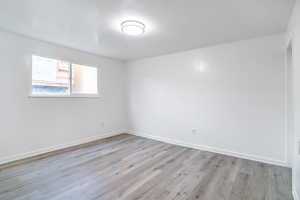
102,124
194,131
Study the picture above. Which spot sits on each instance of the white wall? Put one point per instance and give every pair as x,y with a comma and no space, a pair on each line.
294,36
232,94
30,125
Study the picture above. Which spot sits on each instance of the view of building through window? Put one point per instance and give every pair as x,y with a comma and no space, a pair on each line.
84,79
50,76
53,78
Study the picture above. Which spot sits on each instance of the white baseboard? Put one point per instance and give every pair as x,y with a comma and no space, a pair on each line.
295,194
58,147
212,149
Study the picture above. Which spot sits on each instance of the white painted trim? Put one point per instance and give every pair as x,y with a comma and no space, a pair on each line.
64,96
58,147
212,149
295,195
286,107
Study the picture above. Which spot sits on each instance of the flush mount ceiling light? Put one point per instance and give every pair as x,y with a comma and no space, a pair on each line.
132,27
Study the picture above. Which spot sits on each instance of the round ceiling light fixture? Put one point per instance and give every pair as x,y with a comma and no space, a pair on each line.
132,27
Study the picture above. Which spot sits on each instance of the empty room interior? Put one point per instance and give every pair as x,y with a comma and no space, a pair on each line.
150,100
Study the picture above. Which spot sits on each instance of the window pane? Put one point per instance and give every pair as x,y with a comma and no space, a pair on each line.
50,76
84,79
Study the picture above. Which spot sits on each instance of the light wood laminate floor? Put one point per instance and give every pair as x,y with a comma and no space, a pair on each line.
130,168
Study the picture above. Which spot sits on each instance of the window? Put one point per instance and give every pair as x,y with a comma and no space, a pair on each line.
51,77
84,79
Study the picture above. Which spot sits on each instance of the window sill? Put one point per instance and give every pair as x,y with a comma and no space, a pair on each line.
61,96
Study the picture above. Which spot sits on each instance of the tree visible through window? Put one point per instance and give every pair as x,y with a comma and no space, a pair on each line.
51,77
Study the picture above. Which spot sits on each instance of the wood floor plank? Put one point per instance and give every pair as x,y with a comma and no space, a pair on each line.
128,167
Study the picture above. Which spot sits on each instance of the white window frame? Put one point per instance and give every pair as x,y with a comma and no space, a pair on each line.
71,95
